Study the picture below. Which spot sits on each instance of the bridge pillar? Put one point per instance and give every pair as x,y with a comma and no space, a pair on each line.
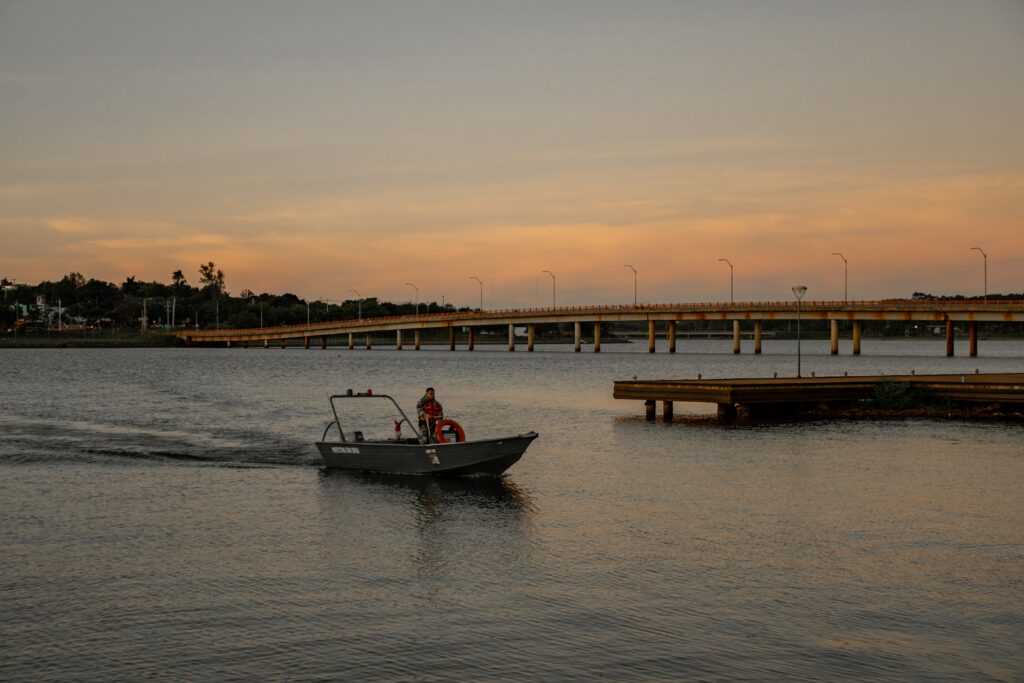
511,337
229,343
305,342
577,336
735,336
451,338
974,337
757,336
597,336
369,341
266,343
284,343
351,341
323,342
833,336
671,336
856,337
245,344
398,340
530,334
949,337
469,338
416,339
666,410
649,410
650,336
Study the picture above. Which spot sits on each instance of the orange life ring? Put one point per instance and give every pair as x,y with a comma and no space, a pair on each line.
460,433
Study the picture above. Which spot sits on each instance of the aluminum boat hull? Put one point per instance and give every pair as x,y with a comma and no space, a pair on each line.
486,457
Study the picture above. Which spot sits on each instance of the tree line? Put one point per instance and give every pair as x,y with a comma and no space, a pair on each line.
76,300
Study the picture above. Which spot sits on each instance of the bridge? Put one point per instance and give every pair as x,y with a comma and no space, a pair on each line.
668,316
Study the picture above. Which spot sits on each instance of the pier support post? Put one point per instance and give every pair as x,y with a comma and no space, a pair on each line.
833,327
671,336
974,337
245,344
284,343
757,336
451,338
649,410
735,336
597,337
511,337
305,342
856,337
666,411
726,412
416,339
530,336
266,343
351,341
323,342
369,341
650,336
577,336
949,337
398,340
469,338
229,343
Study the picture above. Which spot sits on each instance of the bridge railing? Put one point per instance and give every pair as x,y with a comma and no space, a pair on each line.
355,324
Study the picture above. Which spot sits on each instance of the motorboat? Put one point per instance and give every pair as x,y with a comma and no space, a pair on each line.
444,449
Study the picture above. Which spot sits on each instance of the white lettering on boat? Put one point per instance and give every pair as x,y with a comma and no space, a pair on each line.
345,449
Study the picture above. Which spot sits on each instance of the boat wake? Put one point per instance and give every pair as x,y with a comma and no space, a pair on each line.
34,440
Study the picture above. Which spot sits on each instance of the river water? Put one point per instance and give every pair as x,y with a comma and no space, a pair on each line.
165,517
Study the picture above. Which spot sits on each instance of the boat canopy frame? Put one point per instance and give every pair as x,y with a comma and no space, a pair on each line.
367,394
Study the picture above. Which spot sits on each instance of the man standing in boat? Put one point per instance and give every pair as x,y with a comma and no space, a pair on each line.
429,410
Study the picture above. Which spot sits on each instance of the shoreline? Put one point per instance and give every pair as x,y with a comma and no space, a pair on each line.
171,341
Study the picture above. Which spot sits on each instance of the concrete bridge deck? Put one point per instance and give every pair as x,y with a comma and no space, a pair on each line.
947,312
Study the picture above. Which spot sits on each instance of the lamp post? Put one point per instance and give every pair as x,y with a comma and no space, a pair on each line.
474,277
984,257
634,281
360,302
798,292
252,300
409,284
553,299
732,298
846,276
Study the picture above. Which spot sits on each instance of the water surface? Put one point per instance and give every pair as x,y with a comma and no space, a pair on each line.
165,516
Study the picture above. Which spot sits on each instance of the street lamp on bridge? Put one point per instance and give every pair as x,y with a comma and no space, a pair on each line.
798,292
984,257
634,281
359,302
732,298
553,300
474,277
846,276
409,284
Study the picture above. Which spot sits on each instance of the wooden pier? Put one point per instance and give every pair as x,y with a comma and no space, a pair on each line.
775,396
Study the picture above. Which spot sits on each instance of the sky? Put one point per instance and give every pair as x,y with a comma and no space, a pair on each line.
327,148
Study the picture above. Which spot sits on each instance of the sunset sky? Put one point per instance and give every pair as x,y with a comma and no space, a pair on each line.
321,147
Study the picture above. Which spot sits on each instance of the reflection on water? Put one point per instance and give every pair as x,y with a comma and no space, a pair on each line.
433,493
